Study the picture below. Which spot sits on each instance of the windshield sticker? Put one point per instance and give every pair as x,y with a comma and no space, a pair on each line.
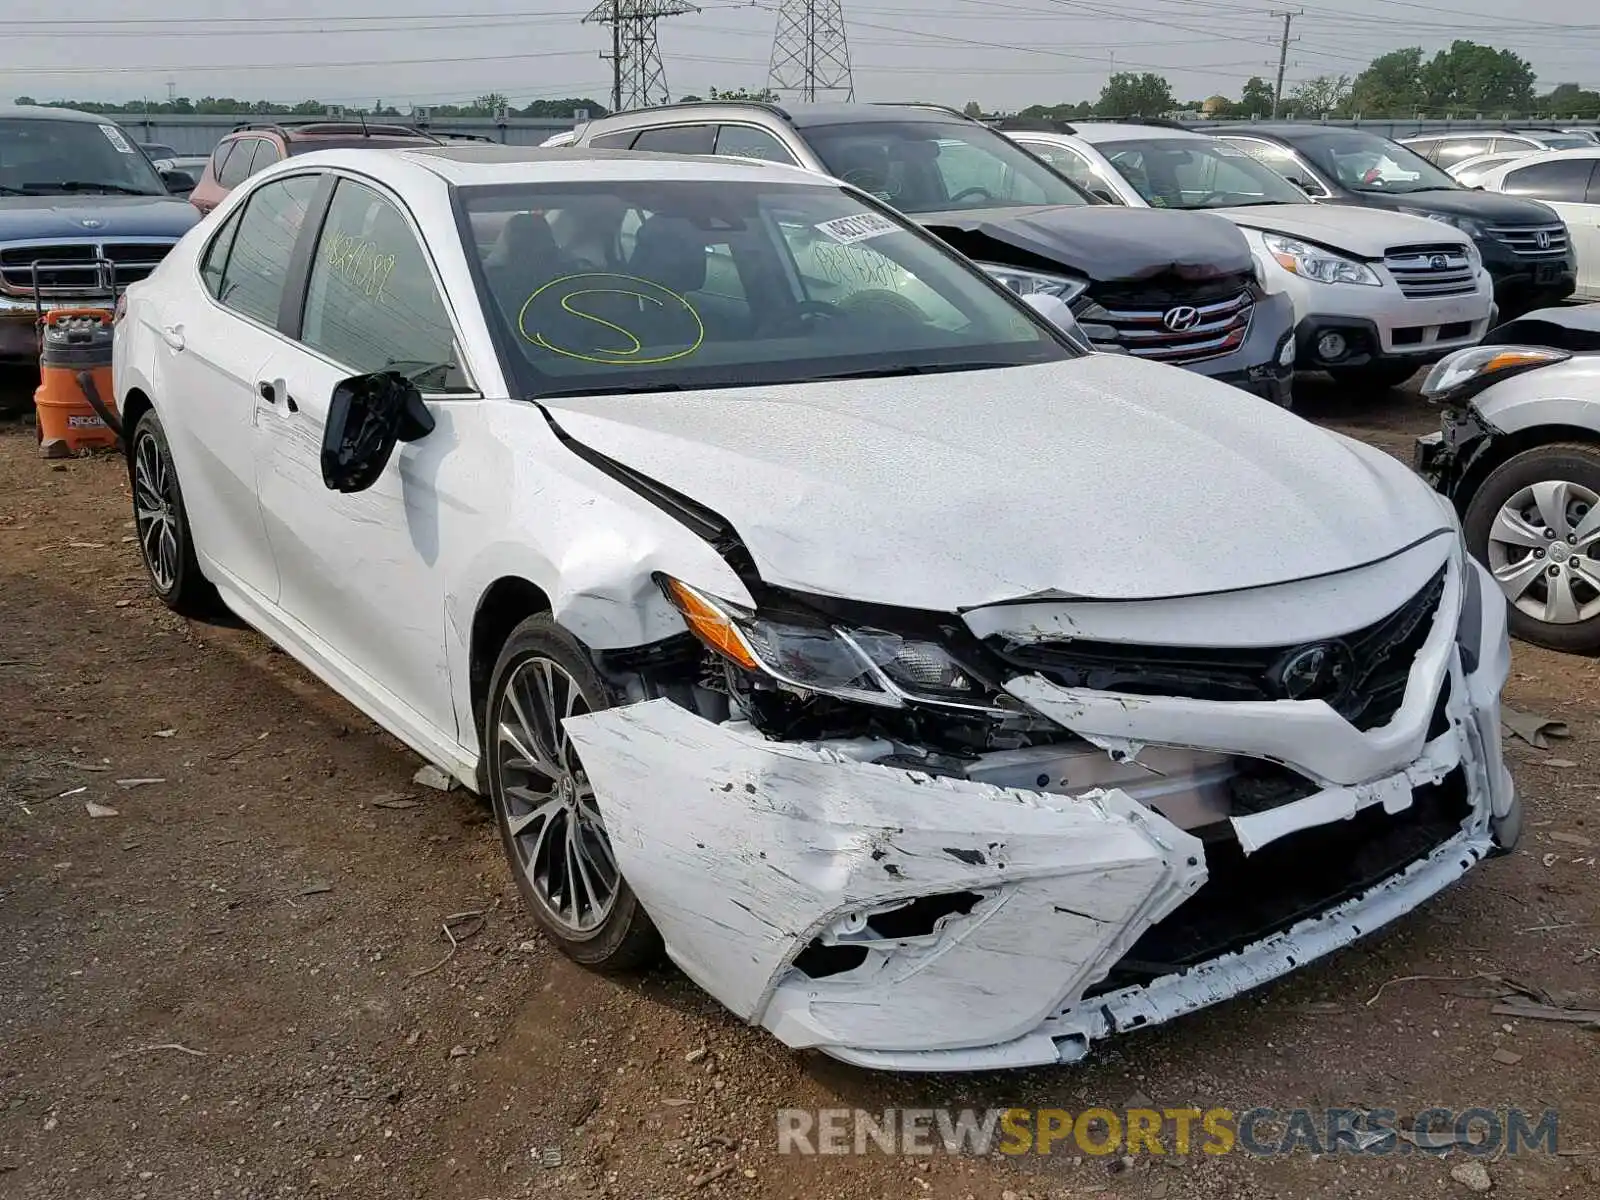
114,136
846,267
849,230
361,264
607,318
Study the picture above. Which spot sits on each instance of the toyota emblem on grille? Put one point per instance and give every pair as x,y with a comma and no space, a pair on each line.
1317,672
1542,237
1182,318
1438,262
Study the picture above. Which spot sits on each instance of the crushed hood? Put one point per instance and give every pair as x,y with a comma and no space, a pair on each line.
1105,242
1100,477
1364,232
32,218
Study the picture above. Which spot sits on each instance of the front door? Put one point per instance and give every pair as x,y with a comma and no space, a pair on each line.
207,366
360,572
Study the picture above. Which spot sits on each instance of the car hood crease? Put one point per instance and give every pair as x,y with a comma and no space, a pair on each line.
1098,478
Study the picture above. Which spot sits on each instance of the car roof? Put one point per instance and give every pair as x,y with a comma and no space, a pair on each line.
1288,130
47,113
480,164
800,116
1095,132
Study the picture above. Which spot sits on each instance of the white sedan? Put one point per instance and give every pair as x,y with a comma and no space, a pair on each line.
934,693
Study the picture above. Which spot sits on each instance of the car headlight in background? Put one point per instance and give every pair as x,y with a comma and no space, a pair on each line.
1465,224
1467,372
1315,263
1066,288
869,666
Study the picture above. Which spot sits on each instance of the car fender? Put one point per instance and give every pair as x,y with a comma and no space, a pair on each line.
1565,394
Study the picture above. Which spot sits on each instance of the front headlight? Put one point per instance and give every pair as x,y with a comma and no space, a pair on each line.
1467,372
865,665
1066,288
1315,263
1465,224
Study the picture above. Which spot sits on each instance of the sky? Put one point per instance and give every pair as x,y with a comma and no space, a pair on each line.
1002,53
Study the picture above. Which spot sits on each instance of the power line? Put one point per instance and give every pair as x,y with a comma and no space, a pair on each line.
638,77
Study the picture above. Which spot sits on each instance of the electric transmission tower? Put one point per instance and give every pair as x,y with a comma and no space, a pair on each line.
638,80
810,53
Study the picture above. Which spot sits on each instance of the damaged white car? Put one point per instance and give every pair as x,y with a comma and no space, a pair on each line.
936,694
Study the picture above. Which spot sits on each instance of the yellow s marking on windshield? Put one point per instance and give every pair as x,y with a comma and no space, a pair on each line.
558,296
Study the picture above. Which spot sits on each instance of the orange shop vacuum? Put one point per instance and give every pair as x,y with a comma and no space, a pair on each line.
75,380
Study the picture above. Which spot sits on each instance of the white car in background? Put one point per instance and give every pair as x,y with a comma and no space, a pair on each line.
1469,172
936,694
1447,149
1377,294
1569,182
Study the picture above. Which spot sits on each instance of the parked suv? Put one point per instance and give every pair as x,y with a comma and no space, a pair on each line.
1448,149
1377,295
252,147
1524,244
81,208
1176,288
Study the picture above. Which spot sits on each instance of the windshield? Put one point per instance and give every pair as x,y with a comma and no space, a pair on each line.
46,156
623,286
1365,162
1565,141
938,166
1198,173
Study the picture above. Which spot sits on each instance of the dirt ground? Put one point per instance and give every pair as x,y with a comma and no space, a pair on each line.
239,984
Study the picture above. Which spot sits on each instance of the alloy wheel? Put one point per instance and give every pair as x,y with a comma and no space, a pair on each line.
549,805
1544,551
155,497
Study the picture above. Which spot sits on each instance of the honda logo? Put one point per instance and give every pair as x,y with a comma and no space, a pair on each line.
1182,318
1542,238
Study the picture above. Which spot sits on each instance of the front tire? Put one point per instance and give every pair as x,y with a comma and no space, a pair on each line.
161,523
1535,524
549,818
1380,376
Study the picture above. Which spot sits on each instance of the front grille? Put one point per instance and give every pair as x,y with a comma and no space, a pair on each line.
71,268
1424,272
1532,241
1378,659
1170,325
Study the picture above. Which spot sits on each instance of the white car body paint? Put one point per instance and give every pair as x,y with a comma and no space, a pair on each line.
1101,499
1365,234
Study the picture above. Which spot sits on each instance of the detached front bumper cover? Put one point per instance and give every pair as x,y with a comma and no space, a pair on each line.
976,917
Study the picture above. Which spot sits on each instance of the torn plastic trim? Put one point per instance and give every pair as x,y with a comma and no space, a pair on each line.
1066,1036
744,851
1306,735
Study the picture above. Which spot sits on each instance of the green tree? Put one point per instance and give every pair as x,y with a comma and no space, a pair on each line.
1129,94
1470,77
1324,94
490,103
972,108
1391,86
1569,100
1256,99
764,96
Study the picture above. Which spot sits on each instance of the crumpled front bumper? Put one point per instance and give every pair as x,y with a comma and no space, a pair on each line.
746,852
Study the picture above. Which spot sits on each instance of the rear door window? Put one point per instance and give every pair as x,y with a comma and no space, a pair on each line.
1566,181
1069,162
746,141
258,265
678,139
614,141
1453,152
240,163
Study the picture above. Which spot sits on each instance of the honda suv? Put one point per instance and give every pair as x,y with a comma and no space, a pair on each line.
1171,287
253,147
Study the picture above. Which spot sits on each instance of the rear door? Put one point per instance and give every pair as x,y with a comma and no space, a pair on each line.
208,363
361,572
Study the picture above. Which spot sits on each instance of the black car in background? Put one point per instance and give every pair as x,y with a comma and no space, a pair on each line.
1525,245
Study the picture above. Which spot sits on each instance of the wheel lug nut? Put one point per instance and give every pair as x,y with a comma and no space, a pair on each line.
1550,534
1554,570
1538,553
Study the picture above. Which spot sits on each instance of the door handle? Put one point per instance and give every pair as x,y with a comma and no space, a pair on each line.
172,335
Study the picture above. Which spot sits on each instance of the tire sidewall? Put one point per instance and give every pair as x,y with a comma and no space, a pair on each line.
186,577
626,932
1569,462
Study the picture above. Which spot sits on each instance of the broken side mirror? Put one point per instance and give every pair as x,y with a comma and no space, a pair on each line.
1104,194
366,417
179,183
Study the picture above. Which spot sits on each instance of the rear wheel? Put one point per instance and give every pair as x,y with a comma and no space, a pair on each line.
549,817
1380,375
161,523
1535,523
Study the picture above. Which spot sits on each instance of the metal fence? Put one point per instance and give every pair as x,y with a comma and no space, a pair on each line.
200,133
1397,128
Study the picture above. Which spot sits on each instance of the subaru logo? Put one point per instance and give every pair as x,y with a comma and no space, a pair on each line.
1182,318
90,222
1318,672
1542,238
1438,262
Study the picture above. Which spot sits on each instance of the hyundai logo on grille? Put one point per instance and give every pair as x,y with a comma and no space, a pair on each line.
1317,672
1182,318
1438,262
1541,237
